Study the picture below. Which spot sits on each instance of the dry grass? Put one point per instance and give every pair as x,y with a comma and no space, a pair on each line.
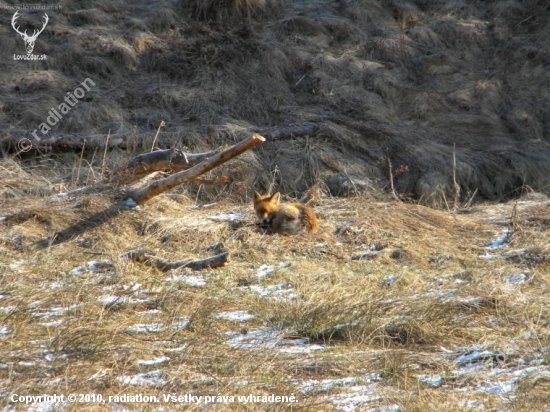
222,10
80,332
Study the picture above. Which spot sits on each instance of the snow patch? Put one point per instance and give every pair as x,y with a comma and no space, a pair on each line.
501,241
153,378
262,339
328,384
54,312
432,380
190,280
153,362
226,217
52,324
180,324
265,270
92,266
149,312
234,316
145,328
517,278
281,291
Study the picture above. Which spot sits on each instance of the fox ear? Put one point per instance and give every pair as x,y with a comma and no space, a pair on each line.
257,196
276,197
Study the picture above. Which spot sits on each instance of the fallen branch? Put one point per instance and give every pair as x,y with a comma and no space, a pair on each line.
60,143
168,160
142,195
166,265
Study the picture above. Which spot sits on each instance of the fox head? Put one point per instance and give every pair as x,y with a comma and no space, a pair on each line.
265,206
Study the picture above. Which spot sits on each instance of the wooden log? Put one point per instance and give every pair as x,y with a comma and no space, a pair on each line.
166,265
60,143
144,194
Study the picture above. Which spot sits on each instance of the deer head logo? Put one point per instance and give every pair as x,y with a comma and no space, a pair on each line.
29,40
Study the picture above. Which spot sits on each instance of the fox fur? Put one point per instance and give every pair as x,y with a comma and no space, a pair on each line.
283,218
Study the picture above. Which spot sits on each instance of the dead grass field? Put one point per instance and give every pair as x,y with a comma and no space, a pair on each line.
389,305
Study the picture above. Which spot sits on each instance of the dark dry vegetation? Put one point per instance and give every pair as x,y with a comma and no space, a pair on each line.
364,86
398,79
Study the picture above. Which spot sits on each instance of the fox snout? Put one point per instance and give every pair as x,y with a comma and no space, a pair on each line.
264,221
264,218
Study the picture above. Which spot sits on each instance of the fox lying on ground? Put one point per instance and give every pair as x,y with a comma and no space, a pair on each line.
284,218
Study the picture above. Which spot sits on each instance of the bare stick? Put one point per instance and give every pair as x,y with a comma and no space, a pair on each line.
390,176
146,193
80,163
161,125
166,265
456,187
103,162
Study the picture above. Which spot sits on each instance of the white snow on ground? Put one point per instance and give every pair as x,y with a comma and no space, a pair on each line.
153,378
190,280
354,400
45,407
501,241
265,270
153,362
149,312
111,300
145,328
226,217
302,348
281,291
53,312
92,266
180,323
120,300
432,380
314,385
517,278
263,339
235,316
52,324
360,391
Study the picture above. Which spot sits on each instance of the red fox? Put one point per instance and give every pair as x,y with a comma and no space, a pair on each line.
284,218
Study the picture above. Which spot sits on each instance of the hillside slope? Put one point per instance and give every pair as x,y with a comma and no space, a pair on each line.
400,79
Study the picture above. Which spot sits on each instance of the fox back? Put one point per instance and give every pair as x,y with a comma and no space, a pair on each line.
283,218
